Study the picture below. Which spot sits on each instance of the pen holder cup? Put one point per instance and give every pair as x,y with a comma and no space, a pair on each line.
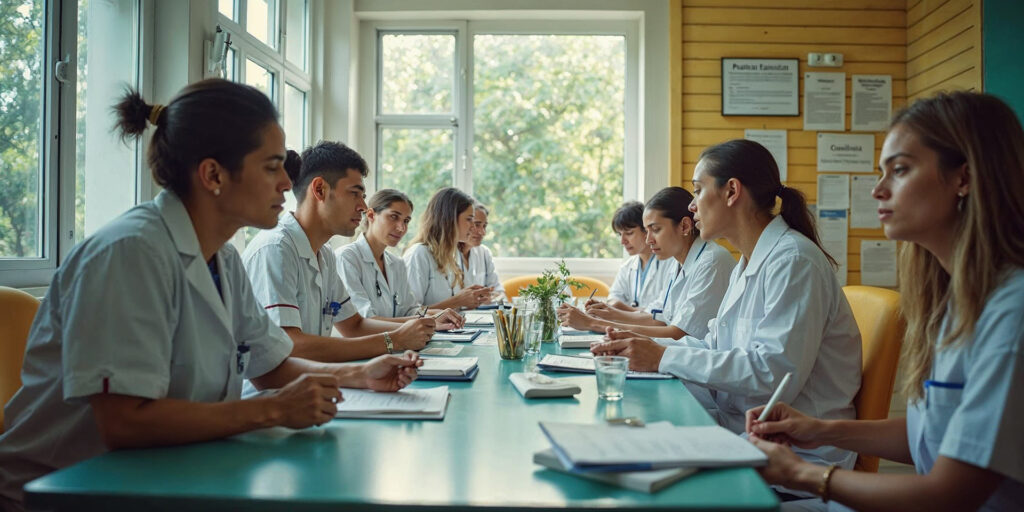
511,329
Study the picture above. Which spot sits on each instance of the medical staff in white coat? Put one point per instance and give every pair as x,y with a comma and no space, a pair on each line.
641,279
475,258
293,272
696,285
149,325
377,280
435,277
784,310
952,175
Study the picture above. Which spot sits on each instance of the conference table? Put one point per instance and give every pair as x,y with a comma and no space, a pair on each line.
478,456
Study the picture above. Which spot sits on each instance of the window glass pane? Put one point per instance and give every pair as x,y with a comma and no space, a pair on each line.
294,117
21,88
261,20
227,8
416,161
260,78
548,142
105,167
231,65
295,45
417,73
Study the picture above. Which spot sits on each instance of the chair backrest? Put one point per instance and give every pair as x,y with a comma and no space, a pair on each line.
17,309
877,312
513,285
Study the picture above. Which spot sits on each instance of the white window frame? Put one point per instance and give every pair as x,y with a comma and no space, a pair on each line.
57,152
370,120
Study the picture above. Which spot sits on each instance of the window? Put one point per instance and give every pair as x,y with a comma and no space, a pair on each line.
532,119
274,61
62,172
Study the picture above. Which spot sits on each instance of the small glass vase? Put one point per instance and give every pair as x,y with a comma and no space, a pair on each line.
548,319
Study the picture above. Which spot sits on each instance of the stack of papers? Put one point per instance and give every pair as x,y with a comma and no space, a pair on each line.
479,318
572,331
578,340
426,404
661,445
456,335
535,385
556,363
643,481
449,368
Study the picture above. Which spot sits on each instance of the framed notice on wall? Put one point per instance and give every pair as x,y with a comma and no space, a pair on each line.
760,87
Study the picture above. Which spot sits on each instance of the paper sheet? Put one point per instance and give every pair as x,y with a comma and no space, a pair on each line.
846,153
863,207
832,227
406,400
824,101
833,191
775,142
871,102
878,264
434,349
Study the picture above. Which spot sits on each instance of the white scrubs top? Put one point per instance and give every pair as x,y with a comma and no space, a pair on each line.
696,289
481,268
132,311
643,289
296,287
784,311
429,286
973,409
371,293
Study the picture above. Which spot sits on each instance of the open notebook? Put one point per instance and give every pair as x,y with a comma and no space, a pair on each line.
557,363
426,404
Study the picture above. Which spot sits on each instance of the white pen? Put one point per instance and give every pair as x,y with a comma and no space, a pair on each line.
775,396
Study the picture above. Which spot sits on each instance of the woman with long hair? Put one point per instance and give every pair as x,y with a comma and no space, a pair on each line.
952,189
435,277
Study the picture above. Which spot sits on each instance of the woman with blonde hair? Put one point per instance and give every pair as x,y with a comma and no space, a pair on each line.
435,277
951,190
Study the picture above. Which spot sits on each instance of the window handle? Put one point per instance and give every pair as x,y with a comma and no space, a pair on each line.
454,121
60,69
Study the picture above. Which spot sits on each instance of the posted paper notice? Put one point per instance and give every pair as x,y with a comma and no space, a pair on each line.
863,207
846,153
832,227
775,142
878,263
833,191
824,101
871,102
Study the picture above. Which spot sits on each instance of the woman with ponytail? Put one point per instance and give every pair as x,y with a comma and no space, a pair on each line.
951,190
150,326
784,310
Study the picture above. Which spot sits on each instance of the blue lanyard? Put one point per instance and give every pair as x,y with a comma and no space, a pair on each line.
668,290
641,277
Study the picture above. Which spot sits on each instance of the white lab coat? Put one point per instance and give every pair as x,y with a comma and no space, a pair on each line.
481,268
296,287
429,286
784,311
132,311
371,293
641,291
696,289
973,409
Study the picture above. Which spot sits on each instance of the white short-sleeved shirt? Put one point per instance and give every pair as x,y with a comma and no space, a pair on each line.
973,409
696,290
371,293
784,311
643,289
132,311
480,270
429,286
297,287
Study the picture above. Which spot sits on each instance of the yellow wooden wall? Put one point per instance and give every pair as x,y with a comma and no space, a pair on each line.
871,35
943,46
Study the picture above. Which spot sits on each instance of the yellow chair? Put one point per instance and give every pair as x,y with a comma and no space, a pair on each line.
513,285
877,312
17,309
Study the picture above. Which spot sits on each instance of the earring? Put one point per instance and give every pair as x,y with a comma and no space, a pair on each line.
216,191
960,202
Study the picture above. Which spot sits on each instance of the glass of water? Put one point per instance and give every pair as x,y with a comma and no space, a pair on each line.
611,376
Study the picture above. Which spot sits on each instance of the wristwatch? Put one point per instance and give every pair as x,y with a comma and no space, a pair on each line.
387,341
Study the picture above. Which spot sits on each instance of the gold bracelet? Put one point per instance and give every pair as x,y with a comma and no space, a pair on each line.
826,478
387,341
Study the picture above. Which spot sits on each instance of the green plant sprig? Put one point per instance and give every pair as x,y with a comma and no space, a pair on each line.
551,284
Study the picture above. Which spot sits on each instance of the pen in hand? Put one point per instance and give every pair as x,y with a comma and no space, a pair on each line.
775,397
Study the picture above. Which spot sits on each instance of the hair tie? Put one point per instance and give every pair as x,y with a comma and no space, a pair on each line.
154,114
782,188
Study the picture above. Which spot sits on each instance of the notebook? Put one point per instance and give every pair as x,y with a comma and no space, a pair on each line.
584,447
557,363
643,481
448,368
578,340
479,318
437,349
535,385
456,335
426,404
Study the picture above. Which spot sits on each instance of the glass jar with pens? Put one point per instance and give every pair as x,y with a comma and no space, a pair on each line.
511,328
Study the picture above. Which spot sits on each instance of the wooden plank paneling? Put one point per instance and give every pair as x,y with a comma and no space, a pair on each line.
955,66
851,52
713,68
941,34
885,5
762,34
896,18
943,47
936,18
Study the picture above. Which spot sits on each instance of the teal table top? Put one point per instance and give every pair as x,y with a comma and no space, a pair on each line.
480,455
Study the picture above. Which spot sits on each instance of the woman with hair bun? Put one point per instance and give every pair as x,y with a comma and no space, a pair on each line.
150,326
